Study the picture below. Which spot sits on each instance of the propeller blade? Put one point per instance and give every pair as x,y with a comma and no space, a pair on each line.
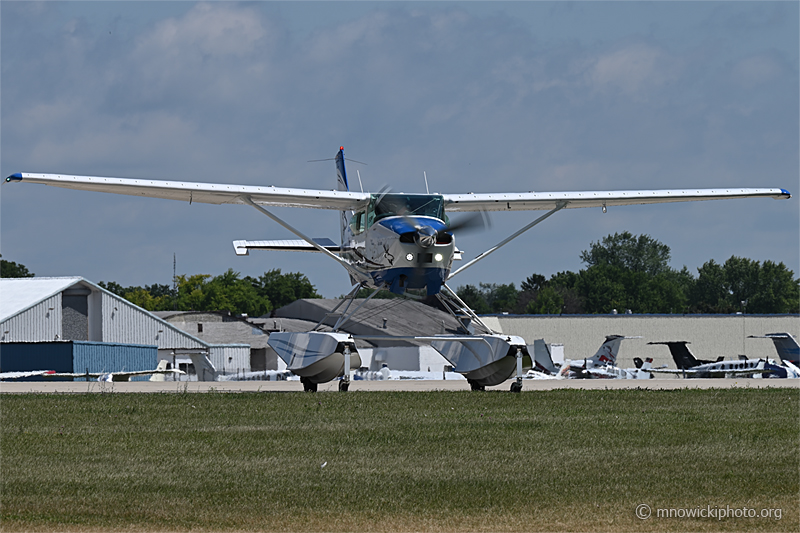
475,221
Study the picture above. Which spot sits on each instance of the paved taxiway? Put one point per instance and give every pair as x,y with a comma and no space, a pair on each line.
387,385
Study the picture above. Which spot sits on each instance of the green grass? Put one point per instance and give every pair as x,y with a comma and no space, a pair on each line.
564,460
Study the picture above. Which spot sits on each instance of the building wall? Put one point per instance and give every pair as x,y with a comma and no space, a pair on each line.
230,358
124,322
113,357
710,335
77,356
41,322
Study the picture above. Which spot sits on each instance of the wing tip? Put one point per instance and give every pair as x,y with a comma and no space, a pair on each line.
786,194
14,177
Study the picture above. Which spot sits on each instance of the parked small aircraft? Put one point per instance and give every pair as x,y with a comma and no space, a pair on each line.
691,367
396,242
161,370
602,364
788,350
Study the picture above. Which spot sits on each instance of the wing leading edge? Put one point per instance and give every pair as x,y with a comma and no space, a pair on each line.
214,193
206,193
549,200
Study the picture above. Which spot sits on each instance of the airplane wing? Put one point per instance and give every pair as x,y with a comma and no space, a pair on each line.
215,193
206,193
126,376
530,201
26,374
711,373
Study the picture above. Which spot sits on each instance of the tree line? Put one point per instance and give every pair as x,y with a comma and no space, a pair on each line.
627,272
623,272
253,296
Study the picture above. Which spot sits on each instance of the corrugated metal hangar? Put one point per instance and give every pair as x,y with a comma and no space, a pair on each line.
51,310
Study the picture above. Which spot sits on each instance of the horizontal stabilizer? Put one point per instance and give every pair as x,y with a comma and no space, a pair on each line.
244,247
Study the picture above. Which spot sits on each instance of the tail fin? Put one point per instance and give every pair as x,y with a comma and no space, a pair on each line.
785,345
342,185
341,175
680,353
543,361
607,354
162,365
203,367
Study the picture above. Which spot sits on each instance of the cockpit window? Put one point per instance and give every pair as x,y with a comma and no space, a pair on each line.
357,222
386,205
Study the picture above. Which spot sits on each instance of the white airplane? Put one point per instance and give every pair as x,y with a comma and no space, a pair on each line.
602,365
159,371
691,367
394,242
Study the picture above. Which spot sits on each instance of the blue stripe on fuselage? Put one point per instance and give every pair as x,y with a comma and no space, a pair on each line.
402,225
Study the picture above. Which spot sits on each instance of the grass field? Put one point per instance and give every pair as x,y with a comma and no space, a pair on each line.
563,460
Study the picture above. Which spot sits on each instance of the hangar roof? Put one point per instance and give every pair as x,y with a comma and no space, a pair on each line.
18,294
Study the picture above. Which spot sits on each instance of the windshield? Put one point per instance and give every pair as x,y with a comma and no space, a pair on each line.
382,206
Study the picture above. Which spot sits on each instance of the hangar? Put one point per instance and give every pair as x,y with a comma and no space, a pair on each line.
710,336
64,309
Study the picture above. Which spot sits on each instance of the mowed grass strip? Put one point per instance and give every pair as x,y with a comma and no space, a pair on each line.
564,460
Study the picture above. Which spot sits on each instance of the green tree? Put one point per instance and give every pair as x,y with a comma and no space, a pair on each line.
548,301
283,289
766,288
191,294
627,251
240,296
778,291
474,298
501,298
10,269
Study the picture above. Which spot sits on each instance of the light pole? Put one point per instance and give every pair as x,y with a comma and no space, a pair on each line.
744,306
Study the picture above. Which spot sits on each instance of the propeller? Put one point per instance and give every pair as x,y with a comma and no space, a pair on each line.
426,236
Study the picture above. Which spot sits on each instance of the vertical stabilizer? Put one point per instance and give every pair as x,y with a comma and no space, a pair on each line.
341,184
543,361
203,367
680,354
607,354
785,345
162,365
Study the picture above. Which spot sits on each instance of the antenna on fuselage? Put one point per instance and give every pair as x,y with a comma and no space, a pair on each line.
359,180
426,182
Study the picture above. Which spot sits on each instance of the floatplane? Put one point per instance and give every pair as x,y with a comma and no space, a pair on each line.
399,242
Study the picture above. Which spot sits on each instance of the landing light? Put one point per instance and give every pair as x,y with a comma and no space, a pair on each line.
409,257
438,257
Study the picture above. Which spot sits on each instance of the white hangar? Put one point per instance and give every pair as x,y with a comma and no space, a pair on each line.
75,309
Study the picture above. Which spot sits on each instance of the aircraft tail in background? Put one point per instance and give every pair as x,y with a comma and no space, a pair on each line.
682,356
203,367
542,359
785,345
607,353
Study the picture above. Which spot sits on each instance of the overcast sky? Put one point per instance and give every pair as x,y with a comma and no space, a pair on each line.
484,97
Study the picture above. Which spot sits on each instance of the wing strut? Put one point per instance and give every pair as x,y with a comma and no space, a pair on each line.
559,206
456,305
357,273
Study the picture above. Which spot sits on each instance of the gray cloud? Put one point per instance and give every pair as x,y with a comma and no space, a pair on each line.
480,100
